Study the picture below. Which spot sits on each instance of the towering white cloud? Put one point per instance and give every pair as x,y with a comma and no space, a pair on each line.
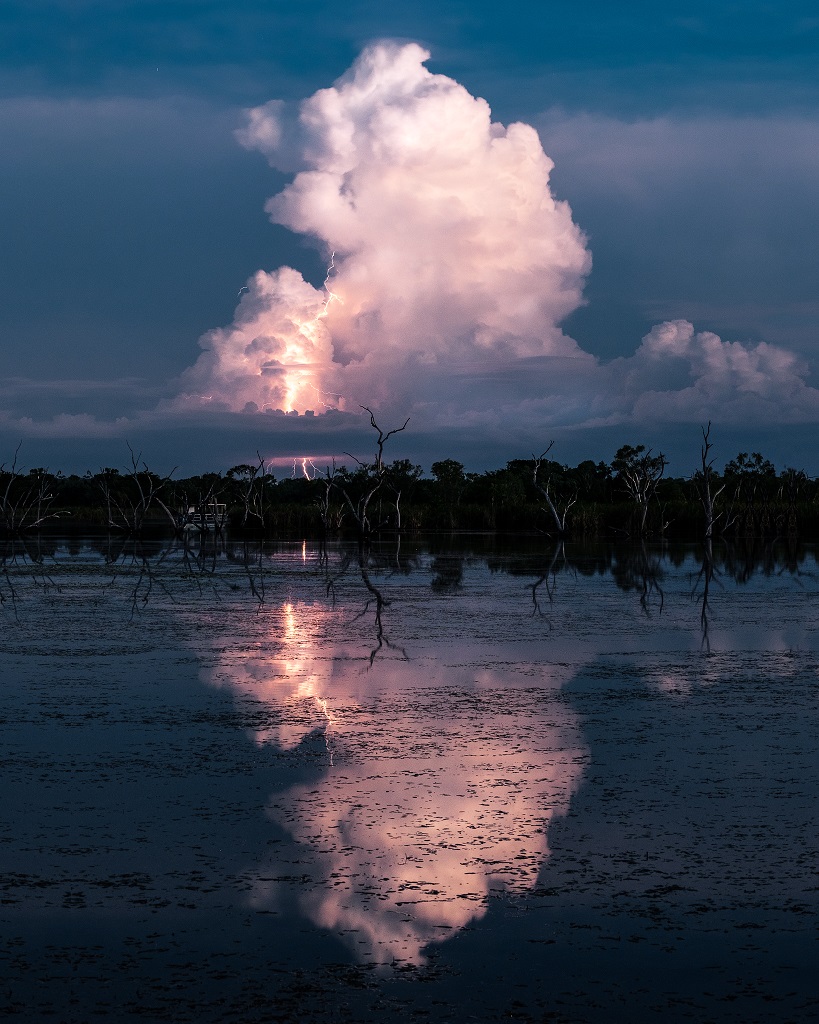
450,249
452,268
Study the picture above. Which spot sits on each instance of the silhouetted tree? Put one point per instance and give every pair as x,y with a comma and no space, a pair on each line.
704,481
130,496
252,483
359,489
451,480
26,499
639,472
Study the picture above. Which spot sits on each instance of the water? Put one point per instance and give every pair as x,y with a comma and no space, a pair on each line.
457,782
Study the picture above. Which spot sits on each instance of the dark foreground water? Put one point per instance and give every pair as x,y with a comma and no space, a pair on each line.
455,783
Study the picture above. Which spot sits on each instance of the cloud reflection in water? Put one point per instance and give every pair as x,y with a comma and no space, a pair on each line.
440,783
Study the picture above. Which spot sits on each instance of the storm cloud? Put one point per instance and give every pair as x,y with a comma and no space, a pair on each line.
450,249
453,267
459,288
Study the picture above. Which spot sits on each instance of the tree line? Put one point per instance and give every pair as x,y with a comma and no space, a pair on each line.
630,497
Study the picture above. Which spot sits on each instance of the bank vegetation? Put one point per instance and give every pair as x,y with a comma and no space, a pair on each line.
630,497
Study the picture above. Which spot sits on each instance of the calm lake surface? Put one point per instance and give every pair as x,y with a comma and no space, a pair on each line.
463,781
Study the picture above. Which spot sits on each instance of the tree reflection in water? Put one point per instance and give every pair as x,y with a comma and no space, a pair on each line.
702,589
24,560
635,568
447,573
548,578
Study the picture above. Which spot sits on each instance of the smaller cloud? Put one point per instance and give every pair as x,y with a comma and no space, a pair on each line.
728,382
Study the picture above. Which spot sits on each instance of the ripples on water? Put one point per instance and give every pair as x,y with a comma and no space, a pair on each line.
452,782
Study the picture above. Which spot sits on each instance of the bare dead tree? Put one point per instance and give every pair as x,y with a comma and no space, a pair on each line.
129,498
383,438
751,479
373,479
330,513
705,483
553,505
359,505
26,499
792,480
251,481
400,477
205,510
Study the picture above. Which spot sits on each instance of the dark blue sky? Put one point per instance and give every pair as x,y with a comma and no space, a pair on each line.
685,139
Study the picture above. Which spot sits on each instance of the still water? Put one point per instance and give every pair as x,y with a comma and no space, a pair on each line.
459,781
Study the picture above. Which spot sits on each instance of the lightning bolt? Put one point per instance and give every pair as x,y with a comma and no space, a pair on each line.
322,701
331,295
296,378
304,471
319,394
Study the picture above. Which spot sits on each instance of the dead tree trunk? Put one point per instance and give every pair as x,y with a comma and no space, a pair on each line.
704,481
26,499
374,480
639,472
128,511
558,516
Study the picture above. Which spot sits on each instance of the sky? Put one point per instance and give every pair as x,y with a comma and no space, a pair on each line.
594,224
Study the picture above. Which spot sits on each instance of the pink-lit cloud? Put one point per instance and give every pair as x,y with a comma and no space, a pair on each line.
453,267
450,249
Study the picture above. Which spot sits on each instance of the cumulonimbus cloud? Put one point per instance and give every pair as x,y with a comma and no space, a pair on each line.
452,268
450,249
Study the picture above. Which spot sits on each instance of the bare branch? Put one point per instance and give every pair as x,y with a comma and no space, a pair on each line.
558,516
